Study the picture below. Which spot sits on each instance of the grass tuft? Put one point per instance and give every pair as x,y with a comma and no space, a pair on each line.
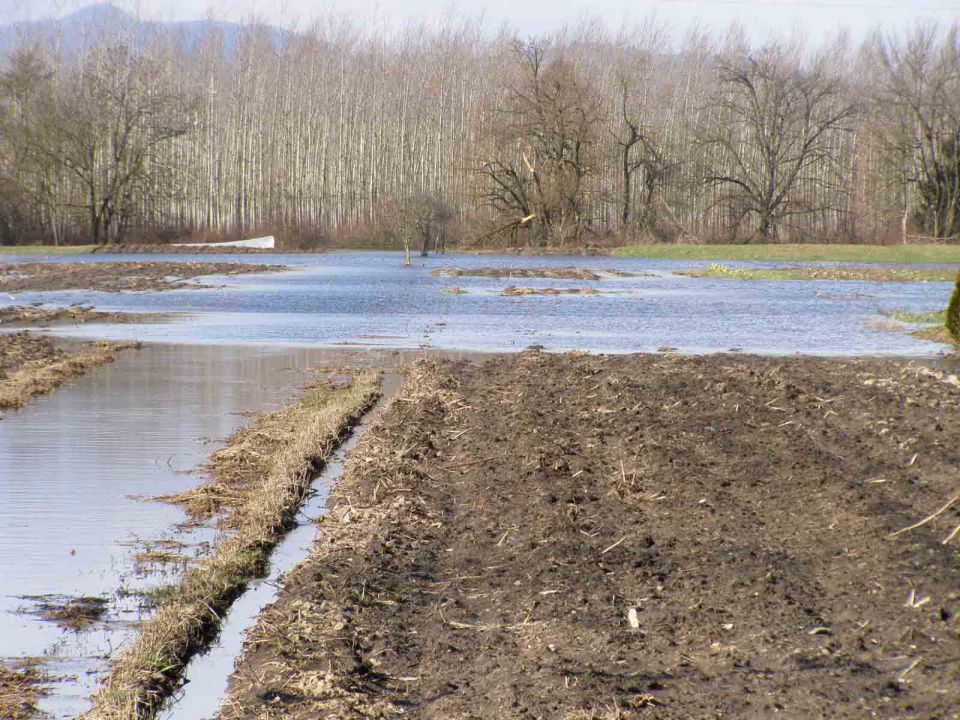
20,689
918,318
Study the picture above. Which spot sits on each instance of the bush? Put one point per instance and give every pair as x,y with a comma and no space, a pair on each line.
953,312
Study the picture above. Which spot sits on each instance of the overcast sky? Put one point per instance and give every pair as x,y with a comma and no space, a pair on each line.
760,17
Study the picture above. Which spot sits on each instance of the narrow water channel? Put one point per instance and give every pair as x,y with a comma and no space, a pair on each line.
208,675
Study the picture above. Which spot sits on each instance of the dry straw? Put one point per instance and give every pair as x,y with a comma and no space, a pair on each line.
263,511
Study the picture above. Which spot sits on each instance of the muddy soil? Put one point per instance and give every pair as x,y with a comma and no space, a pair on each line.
117,276
574,536
34,365
42,316
563,273
513,290
20,349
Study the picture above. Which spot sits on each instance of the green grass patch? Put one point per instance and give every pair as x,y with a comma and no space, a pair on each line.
47,249
919,318
799,253
860,274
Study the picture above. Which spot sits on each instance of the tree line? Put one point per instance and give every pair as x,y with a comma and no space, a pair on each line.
331,133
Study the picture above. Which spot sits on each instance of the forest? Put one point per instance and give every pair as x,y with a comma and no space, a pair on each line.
337,134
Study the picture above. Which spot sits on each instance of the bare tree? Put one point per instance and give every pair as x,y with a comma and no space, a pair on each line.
775,119
313,131
548,135
919,99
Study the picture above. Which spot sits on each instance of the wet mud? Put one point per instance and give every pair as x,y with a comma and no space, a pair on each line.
571,536
560,273
33,365
36,316
117,276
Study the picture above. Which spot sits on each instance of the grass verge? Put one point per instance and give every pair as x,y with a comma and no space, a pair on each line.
296,440
47,249
918,318
41,377
809,253
859,274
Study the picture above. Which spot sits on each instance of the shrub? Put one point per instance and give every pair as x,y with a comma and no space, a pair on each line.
953,312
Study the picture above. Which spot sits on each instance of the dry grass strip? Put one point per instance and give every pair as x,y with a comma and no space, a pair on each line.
359,521
41,377
151,668
20,689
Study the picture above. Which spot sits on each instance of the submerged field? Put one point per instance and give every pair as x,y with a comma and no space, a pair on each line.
650,536
522,535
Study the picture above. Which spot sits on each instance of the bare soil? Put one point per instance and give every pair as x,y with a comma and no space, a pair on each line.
572,536
34,365
564,273
19,315
117,276
20,349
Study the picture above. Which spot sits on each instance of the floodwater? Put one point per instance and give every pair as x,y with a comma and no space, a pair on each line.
75,469
77,466
369,299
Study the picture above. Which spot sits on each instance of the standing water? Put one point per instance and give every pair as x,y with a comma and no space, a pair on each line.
76,469
356,299
207,676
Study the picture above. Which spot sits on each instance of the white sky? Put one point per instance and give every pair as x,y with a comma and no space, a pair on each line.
761,18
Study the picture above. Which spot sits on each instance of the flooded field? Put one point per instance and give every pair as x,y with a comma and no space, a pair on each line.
85,552
76,470
355,299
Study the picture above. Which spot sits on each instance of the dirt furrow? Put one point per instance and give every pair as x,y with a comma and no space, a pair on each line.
571,536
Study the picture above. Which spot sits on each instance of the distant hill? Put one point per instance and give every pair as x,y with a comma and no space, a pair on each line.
75,31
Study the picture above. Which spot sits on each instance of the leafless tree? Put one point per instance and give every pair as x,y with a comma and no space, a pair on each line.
919,100
315,131
546,144
775,121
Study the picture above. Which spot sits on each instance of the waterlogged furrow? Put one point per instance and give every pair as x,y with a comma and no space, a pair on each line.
263,510
31,365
